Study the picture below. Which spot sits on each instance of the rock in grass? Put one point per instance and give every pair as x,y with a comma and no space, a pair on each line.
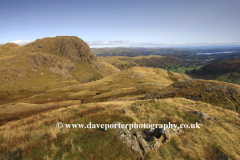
128,138
143,142
224,157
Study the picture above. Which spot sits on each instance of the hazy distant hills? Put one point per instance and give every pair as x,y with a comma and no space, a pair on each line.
156,61
226,70
137,51
216,66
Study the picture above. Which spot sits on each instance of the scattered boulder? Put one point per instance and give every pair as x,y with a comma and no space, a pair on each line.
129,139
154,100
169,133
203,115
143,142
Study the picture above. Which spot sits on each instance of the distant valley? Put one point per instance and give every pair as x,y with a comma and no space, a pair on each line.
218,66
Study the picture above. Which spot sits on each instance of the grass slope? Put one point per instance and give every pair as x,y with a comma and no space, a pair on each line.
47,64
39,138
156,61
222,94
125,85
170,63
226,70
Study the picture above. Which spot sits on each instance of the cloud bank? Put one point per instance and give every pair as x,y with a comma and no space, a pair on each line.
21,42
122,43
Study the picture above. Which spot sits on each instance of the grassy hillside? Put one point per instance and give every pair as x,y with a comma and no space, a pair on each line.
38,137
46,64
8,49
226,70
226,95
170,63
125,85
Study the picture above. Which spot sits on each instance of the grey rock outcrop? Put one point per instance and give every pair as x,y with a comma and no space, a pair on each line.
143,142
68,46
202,115
129,139
224,157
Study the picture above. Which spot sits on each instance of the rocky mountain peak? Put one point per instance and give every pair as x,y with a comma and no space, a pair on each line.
68,46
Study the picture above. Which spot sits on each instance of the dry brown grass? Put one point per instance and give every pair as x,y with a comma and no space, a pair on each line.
126,85
209,141
29,131
217,93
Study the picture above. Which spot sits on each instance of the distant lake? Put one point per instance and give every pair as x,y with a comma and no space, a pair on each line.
216,53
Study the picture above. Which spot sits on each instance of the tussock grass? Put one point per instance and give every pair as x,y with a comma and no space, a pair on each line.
40,139
48,142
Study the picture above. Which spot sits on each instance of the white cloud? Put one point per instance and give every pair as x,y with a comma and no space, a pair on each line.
122,43
105,43
117,42
21,42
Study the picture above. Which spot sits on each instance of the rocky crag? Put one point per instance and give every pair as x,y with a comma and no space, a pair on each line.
217,93
48,63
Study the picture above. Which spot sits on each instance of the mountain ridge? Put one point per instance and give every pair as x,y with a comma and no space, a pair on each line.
49,63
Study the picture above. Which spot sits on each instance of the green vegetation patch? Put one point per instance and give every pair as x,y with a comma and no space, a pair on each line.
230,78
85,143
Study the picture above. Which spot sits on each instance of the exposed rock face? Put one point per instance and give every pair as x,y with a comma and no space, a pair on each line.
143,142
40,59
68,46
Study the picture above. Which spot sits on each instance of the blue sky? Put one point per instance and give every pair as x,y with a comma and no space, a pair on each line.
123,23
